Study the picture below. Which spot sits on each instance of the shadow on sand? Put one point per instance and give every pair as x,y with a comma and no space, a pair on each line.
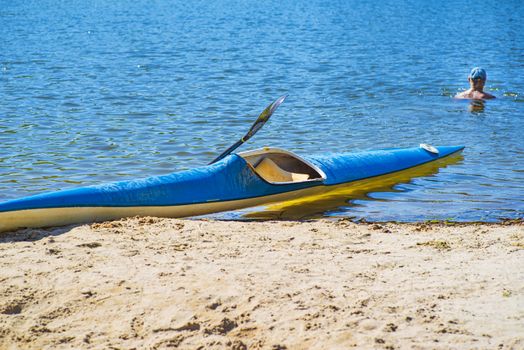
32,234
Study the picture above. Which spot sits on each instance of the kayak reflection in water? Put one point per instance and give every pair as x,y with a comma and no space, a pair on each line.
477,78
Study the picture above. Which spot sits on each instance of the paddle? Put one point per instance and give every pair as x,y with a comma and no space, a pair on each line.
261,120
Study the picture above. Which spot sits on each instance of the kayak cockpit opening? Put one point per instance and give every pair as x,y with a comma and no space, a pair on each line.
279,166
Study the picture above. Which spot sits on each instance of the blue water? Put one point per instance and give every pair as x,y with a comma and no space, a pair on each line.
97,91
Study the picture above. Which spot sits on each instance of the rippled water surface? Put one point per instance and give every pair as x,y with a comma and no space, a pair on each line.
97,91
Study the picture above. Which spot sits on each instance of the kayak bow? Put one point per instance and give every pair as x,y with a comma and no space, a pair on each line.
242,180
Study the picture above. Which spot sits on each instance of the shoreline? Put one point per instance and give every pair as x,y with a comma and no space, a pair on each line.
321,284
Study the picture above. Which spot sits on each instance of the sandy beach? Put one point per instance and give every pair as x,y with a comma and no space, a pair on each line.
149,283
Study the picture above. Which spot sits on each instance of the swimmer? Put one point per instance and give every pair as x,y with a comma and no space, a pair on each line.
477,78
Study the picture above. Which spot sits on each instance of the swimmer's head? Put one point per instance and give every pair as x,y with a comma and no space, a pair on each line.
477,73
477,78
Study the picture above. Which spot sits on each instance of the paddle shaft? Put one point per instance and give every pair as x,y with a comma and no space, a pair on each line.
257,125
227,151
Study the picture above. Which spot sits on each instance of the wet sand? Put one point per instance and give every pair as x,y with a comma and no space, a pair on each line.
148,283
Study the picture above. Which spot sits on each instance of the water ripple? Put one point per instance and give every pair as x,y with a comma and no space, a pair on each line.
118,90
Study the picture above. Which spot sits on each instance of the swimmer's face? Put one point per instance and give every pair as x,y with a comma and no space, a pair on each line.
477,83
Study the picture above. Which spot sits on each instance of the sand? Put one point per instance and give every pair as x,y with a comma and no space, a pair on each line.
148,283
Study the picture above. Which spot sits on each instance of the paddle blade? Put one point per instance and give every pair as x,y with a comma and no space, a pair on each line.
263,117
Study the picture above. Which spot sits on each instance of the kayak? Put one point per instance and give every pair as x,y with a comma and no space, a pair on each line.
239,180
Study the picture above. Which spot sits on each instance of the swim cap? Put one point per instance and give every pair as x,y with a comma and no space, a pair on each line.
478,73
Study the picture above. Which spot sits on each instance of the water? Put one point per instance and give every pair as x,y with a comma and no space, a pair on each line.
97,91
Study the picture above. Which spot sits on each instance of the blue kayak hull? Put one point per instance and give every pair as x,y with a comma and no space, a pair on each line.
232,183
